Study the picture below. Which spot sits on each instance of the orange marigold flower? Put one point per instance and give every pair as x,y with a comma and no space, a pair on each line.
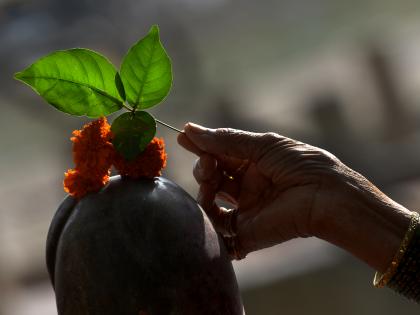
78,185
148,164
92,148
93,154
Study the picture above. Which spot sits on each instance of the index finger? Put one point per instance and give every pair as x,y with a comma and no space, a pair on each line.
231,142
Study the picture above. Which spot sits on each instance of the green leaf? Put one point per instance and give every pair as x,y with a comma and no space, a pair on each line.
146,71
76,81
132,133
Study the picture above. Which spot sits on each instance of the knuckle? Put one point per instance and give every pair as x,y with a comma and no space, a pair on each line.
328,156
269,138
234,139
225,131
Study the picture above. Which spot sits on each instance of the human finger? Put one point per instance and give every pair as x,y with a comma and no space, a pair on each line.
284,218
231,142
205,169
223,220
187,144
227,188
231,165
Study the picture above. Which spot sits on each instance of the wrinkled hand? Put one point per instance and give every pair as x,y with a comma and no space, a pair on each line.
276,184
281,189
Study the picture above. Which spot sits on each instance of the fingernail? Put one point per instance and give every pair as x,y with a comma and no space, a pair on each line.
197,129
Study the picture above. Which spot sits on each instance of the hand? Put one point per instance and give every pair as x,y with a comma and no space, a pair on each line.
282,189
275,192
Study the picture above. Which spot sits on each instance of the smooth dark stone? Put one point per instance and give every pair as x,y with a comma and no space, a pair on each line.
139,245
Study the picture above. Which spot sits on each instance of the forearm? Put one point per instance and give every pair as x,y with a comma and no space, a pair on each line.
373,234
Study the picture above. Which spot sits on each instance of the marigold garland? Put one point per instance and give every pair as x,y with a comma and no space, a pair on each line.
94,154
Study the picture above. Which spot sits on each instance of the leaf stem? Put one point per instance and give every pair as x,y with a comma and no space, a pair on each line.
133,110
128,107
168,126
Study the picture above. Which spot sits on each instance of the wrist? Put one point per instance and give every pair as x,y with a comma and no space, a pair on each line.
365,222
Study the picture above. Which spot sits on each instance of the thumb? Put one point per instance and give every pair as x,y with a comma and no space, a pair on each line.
231,142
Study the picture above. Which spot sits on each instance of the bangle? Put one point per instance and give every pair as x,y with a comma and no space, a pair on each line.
382,279
406,280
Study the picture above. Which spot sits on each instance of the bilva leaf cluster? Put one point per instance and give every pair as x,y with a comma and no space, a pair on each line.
82,82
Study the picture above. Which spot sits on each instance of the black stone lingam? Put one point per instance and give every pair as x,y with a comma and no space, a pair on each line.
139,247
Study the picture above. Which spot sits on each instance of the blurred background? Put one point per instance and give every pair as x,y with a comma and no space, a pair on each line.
342,75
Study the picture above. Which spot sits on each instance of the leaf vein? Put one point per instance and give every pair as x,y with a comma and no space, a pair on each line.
147,70
99,69
95,89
